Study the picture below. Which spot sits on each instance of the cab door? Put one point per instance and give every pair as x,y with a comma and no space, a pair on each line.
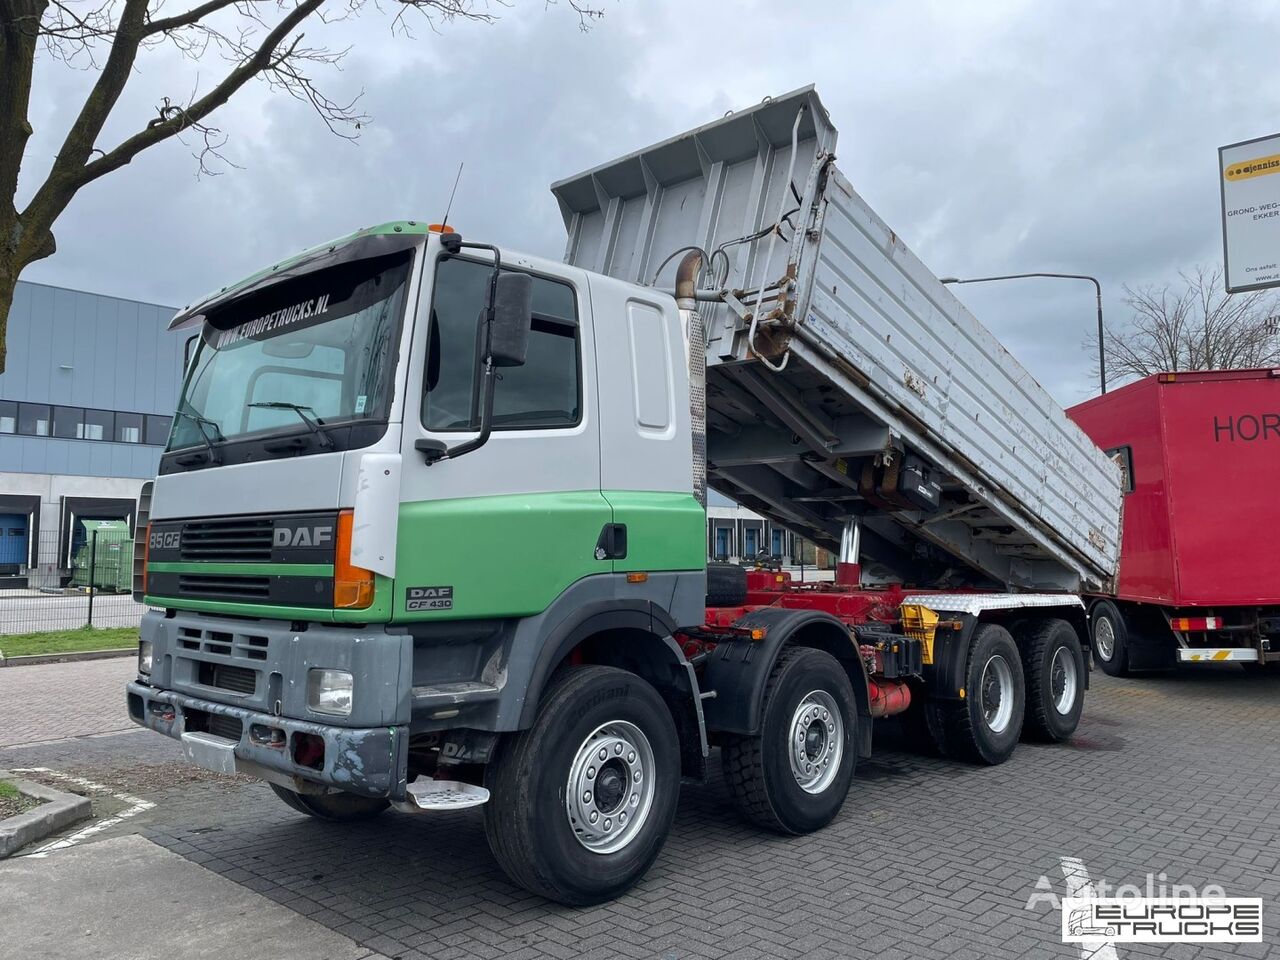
503,530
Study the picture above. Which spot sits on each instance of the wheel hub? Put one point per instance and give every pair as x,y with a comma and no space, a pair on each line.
816,741
611,785
1104,639
1064,681
996,693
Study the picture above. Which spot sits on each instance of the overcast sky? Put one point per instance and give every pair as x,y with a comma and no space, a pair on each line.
994,137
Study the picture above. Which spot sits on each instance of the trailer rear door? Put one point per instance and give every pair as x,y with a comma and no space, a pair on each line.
1222,447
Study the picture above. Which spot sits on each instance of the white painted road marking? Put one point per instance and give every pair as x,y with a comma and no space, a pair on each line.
1079,885
136,806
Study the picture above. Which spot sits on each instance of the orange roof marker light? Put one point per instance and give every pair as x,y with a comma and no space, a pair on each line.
440,228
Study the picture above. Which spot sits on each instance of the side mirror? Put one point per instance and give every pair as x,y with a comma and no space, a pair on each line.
512,319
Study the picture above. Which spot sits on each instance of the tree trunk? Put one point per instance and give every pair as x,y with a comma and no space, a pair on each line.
8,281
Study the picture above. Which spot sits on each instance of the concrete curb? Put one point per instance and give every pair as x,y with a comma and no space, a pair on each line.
58,810
38,658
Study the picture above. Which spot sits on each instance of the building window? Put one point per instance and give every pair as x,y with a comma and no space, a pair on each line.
128,428
77,423
98,424
33,419
775,542
68,423
750,543
158,429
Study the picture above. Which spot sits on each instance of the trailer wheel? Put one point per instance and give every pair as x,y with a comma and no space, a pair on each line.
582,801
334,807
984,726
794,777
726,585
1110,639
1053,665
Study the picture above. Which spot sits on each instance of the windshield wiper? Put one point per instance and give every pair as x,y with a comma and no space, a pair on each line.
314,422
201,423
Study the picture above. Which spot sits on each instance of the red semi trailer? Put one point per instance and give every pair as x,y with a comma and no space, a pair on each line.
1199,576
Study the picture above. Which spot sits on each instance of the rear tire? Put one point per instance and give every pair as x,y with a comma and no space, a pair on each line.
794,777
542,835
984,727
1110,639
1053,665
333,807
726,585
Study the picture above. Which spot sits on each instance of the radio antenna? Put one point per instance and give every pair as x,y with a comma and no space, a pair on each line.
451,195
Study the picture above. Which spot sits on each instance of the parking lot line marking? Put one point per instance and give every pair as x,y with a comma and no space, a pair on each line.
1079,885
136,806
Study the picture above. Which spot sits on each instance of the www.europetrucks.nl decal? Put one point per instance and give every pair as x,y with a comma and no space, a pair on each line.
275,321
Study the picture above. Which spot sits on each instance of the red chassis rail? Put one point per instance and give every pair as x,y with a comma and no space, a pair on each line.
852,605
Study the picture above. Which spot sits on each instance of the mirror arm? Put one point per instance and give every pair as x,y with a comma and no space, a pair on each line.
433,451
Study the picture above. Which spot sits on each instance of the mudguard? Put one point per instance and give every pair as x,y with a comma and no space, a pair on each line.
738,670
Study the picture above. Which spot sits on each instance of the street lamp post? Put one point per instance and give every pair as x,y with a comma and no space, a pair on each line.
1102,356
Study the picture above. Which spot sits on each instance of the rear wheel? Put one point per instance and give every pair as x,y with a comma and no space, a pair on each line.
984,726
583,800
1110,639
1053,665
334,807
794,777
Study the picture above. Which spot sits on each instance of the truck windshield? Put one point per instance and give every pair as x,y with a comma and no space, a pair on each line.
321,343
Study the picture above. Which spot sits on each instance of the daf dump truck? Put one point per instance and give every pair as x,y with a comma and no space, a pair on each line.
1199,575
429,531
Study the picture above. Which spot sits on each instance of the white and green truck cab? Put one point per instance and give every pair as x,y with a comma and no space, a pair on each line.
429,531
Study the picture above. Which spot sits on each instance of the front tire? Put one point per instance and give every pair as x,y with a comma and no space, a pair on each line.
333,807
1053,665
582,802
794,777
984,727
1110,639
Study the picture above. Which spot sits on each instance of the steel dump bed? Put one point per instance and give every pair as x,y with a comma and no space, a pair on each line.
843,379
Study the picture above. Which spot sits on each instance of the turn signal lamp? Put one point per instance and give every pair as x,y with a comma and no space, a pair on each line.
352,585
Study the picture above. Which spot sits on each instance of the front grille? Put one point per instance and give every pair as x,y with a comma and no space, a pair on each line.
227,540
200,721
225,677
211,587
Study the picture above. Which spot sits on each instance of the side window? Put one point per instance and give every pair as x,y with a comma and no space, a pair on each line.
1124,457
545,392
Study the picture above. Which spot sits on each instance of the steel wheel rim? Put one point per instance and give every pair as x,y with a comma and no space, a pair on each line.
611,787
1063,682
815,741
995,693
1104,638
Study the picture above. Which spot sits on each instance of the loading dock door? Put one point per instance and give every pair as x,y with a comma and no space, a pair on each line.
14,541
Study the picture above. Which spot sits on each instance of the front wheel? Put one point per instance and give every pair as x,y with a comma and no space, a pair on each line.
582,801
794,777
334,807
984,726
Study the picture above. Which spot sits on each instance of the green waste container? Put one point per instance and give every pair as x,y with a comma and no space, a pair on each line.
109,566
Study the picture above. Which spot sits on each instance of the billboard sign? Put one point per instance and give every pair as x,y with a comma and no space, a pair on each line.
1249,174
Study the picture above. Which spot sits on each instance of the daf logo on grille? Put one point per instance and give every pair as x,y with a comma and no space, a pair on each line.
302,536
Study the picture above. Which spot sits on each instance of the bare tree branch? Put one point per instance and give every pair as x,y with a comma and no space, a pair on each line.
1193,324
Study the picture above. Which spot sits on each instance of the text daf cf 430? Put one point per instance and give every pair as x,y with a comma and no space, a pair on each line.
430,529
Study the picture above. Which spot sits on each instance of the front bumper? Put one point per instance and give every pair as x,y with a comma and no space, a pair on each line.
369,761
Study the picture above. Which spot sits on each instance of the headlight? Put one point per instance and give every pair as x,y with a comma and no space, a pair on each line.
329,691
144,657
